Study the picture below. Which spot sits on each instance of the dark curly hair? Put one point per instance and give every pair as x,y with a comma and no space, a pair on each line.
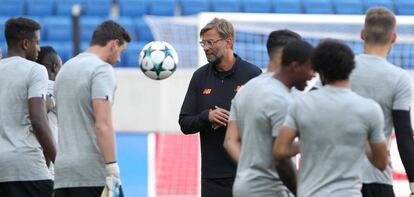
18,29
296,51
333,60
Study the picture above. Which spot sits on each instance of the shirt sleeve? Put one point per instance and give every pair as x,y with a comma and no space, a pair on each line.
291,117
38,82
376,133
402,94
103,83
276,113
233,110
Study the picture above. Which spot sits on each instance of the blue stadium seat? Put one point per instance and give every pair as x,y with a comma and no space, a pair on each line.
162,7
190,7
2,24
144,34
375,3
97,8
131,54
317,6
87,26
348,6
40,8
58,28
11,8
287,6
226,6
257,6
404,7
128,24
64,7
133,7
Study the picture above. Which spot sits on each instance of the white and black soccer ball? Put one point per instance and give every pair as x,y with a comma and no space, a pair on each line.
158,60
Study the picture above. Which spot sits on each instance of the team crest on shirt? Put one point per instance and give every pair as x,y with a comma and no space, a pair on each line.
237,89
207,91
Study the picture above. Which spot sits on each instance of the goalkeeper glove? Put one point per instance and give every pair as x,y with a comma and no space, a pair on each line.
112,182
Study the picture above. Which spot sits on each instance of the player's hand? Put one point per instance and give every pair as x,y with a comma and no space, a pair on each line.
112,181
218,116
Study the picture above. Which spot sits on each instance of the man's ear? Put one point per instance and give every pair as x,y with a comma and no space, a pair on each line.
362,34
25,44
393,37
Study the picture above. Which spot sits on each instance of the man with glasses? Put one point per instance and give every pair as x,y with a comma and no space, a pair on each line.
206,105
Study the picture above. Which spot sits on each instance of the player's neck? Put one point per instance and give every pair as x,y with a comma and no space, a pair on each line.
377,50
13,52
341,84
98,51
227,63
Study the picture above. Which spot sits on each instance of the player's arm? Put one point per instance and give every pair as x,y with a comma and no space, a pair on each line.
232,140
284,148
376,150
40,125
190,121
37,88
405,141
105,134
377,154
285,145
402,125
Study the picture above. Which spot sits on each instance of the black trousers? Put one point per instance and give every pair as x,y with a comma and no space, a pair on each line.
217,187
42,188
82,192
377,190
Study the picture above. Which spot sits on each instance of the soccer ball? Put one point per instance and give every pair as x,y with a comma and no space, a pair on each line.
158,60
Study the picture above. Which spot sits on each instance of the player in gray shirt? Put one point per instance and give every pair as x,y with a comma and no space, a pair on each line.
256,125
26,141
390,86
52,62
84,89
333,125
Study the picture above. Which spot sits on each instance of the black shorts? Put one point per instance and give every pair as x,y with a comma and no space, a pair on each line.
42,188
222,187
82,192
377,190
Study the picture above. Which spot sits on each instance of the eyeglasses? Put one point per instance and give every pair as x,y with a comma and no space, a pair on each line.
209,43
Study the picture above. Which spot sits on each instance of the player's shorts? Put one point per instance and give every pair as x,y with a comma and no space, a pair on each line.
41,188
377,190
213,187
82,191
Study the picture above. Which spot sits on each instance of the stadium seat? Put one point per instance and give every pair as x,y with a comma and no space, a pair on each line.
257,6
317,6
58,28
348,6
11,8
374,3
133,8
287,6
190,7
64,7
97,8
130,56
128,24
144,34
40,8
226,6
87,26
404,7
3,20
162,7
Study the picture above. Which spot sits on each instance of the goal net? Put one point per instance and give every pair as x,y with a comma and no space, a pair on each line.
252,30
